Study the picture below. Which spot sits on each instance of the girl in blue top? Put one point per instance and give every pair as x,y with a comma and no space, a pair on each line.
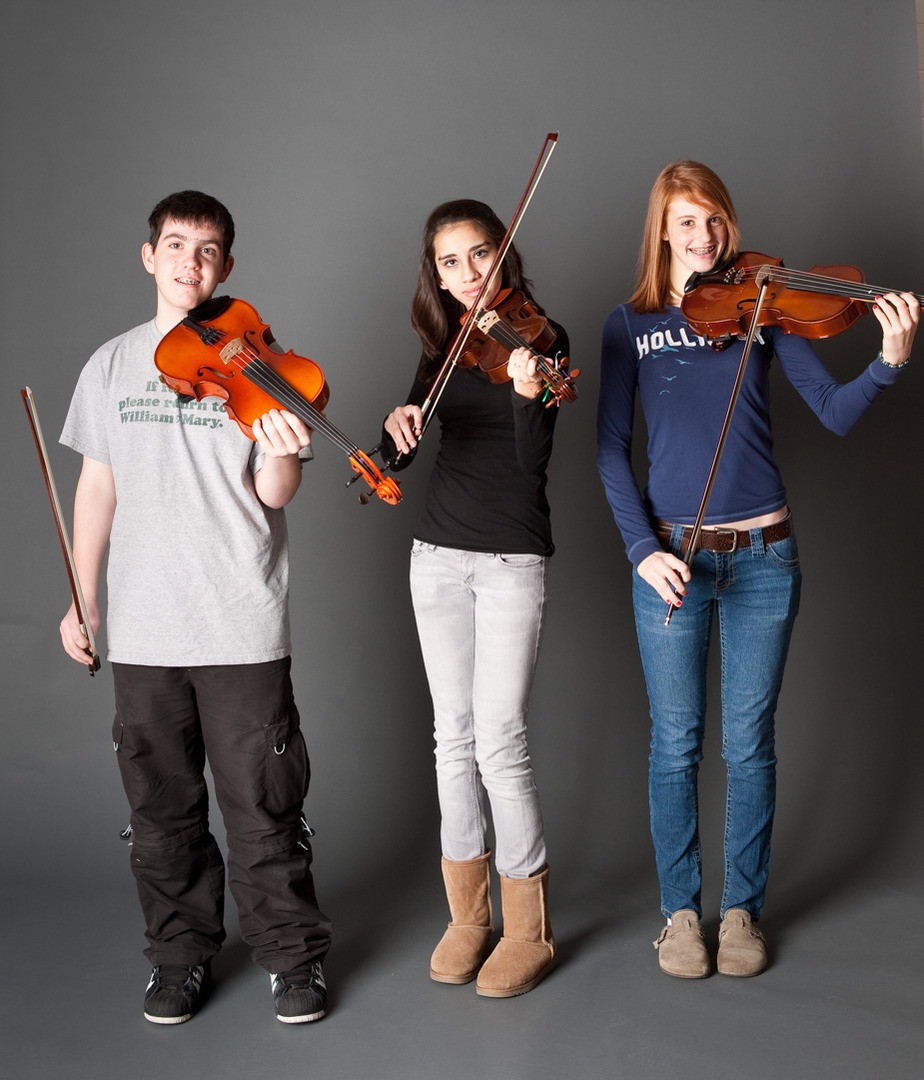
745,572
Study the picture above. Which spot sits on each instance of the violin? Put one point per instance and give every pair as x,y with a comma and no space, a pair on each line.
752,290
222,349
461,340
514,322
816,303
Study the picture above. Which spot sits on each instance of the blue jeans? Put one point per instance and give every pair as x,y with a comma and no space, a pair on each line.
755,594
479,619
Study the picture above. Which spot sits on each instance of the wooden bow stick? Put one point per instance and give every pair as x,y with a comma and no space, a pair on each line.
93,664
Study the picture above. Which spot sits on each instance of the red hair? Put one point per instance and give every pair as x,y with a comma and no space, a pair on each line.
682,180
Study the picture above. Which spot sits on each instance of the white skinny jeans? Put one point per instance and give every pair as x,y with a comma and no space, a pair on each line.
479,619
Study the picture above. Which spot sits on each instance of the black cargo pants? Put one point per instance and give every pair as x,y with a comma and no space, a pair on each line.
243,720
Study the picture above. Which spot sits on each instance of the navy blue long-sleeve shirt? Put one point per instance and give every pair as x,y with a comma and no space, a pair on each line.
684,385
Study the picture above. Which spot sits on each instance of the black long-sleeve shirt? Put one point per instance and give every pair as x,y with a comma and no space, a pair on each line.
487,491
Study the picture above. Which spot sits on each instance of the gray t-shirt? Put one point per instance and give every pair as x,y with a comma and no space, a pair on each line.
198,566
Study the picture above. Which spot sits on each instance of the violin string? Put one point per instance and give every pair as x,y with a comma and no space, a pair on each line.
857,290
510,339
262,375
809,282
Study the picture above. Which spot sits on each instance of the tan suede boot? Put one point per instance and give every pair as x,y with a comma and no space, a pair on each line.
462,948
526,952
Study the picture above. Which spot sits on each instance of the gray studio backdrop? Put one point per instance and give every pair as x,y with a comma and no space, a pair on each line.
331,130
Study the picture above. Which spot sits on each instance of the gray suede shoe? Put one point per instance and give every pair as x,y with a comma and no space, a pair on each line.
742,949
681,948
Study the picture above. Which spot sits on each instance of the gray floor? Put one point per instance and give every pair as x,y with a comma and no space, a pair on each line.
842,998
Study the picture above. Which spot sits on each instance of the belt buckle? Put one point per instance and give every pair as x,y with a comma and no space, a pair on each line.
733,533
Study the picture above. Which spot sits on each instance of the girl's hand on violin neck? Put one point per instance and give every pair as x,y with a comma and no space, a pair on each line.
898,315
281,433
666,574
404,425
521,367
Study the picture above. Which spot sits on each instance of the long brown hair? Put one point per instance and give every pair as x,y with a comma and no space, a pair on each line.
435,313
681,180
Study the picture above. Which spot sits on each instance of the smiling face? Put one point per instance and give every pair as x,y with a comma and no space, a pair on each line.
697,237
463,255
188,264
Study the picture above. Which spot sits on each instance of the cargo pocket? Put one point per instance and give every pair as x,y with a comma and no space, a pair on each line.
286,766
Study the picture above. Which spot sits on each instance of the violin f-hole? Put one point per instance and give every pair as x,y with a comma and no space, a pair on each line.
746,304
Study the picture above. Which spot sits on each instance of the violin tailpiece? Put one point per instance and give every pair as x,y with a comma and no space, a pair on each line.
210,335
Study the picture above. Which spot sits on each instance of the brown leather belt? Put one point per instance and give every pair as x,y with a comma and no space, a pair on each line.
727,540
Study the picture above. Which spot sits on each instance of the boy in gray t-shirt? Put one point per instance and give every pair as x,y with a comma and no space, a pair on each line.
201,670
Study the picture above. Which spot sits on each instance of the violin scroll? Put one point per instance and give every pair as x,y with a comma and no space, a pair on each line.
387,488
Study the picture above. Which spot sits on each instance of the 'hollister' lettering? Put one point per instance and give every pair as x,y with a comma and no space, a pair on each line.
666,339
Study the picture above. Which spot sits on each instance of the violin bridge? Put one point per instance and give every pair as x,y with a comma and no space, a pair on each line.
486,319
231,350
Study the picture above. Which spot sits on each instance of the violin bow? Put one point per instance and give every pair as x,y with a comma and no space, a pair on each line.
762,280
93,665
428,408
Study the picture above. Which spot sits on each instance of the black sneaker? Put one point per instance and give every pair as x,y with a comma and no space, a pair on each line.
300,995
174,993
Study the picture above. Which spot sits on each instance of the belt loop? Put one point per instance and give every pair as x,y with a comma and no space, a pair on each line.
757,543
676,540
